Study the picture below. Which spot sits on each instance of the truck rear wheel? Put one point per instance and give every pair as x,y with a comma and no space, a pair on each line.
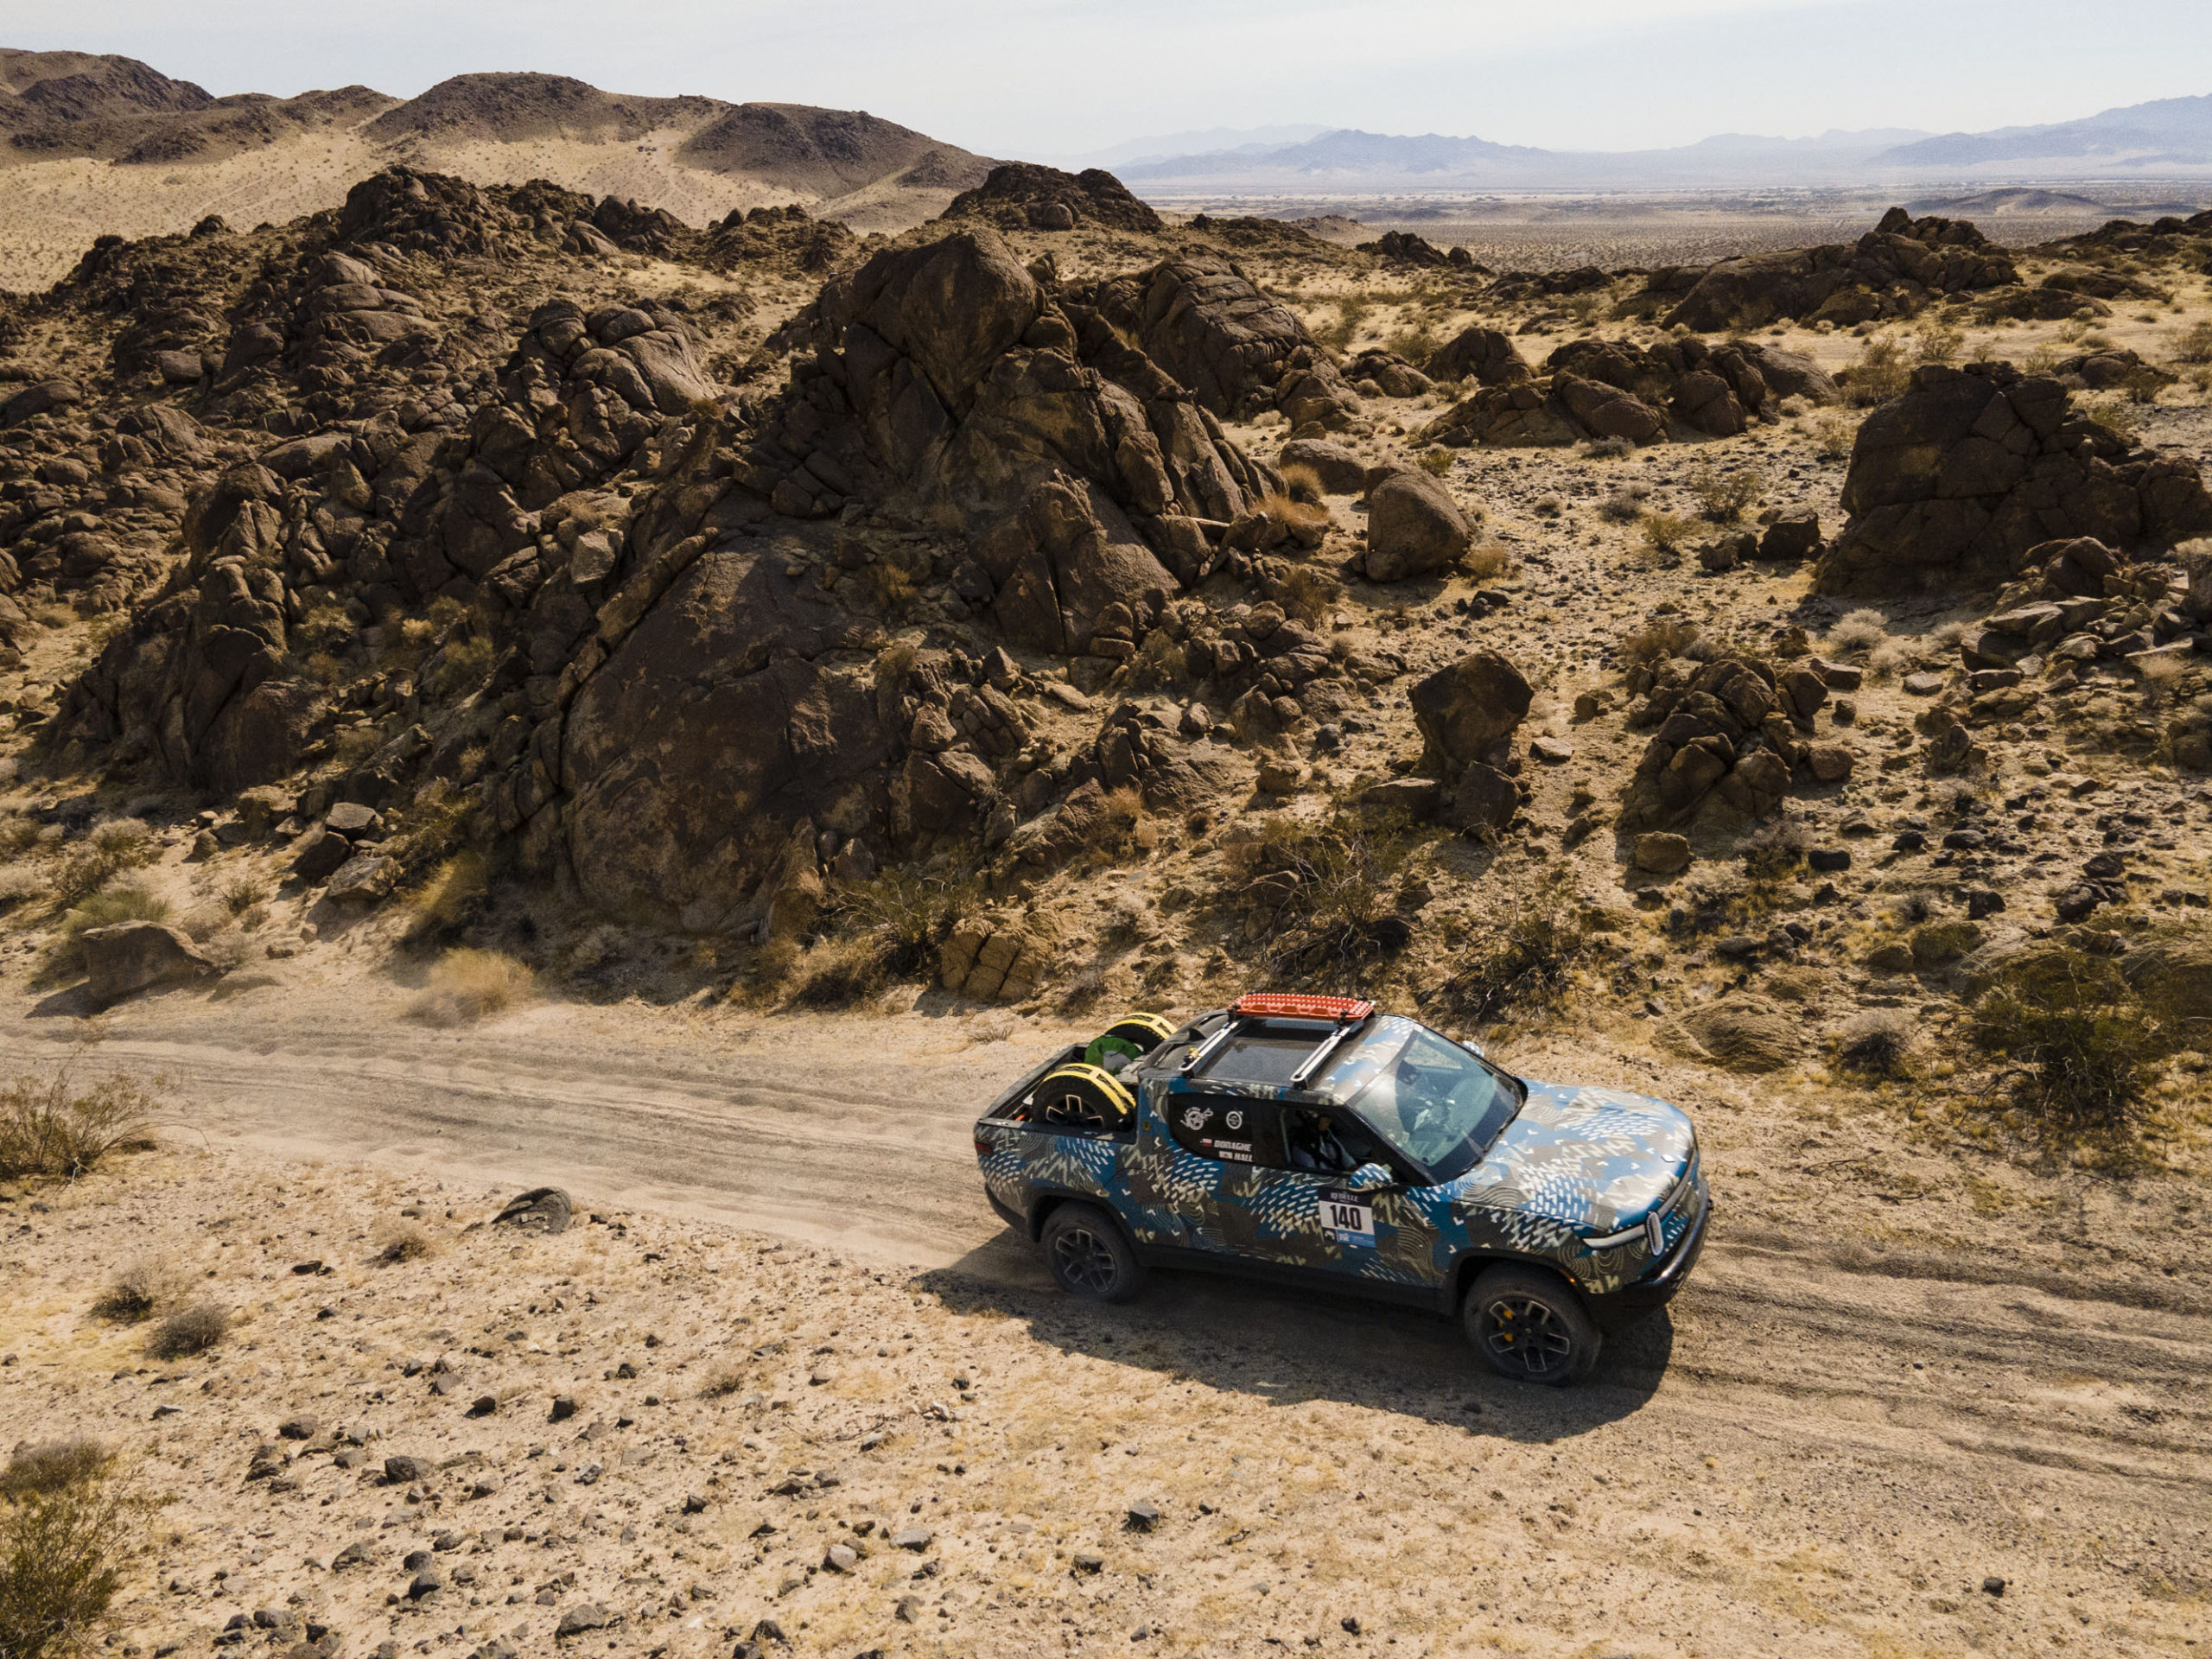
1090,1256
1531,1327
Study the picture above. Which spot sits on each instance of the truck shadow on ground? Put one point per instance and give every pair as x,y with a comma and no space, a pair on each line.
1292,1346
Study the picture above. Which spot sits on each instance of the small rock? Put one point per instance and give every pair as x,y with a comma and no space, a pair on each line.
405,1471
427,1582
908,1609
586,1616
297,1429
1922,685
1828,859
1662,853
1143,1516
1992,1586
841,1558
564,1407
1552,751
914,1538
1089,1561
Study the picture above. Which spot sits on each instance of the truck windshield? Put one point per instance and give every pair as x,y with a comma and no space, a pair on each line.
1434,1102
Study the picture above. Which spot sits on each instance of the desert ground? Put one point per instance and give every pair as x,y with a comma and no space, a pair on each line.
495,695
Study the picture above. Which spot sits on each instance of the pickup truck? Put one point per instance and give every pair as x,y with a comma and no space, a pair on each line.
1317,1142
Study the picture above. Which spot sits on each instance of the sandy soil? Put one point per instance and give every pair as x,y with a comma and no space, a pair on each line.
1868,1401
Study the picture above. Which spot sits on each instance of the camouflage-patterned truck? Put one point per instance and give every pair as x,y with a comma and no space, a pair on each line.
1315,1141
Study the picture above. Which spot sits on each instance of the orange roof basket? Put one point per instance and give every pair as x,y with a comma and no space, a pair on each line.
1291,1005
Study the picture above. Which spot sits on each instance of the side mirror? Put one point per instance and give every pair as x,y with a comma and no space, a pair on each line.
1369,1178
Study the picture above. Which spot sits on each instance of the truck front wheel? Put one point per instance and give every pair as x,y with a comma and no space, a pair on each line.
1090,1256
1531,1327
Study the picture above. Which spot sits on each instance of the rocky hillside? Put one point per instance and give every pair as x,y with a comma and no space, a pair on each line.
516,568
179,152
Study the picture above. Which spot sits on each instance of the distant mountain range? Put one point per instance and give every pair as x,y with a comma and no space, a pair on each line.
2171,138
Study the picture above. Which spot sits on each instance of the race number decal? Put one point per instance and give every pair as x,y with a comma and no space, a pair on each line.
1347,1218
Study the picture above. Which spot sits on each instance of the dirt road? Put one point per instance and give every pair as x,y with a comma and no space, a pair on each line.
1928,1421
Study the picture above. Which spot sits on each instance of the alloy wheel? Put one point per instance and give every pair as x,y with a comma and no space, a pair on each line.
1082,1261
1522,1334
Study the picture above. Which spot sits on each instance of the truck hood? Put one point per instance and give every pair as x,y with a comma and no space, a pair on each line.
1596,1159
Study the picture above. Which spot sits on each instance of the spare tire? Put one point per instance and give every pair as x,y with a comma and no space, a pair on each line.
1133,1037
1084,1097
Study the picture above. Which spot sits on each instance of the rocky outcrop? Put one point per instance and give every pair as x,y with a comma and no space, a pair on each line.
1467,713
1731,733
1891,272
1024,195
1203,321
1483,355
1405,248
1956,480
1678,389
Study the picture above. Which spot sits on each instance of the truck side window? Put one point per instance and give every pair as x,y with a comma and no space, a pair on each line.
1228,1129
1324,1142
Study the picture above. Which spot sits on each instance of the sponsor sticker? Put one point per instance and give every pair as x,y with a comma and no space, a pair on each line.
1346,1217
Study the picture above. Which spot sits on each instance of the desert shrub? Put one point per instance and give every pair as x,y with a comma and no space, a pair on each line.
1607,449
48,1126
467,984
1833,437
1160,660
890,587
1659,639
324,627
1879,375
1548,506
1307,594
1416,344
64,1555
242,894
140,1291
1436,461
108,849
2194,344
464,664
2079,1042
1301,483
1875,1043
1722,497
1939,342
1858,632
1083,988
53,1466
1666,534
1624,506
1887,660
400,1241
189,1331
722,1382
1287,509
1521,956
1351,315
21,881
1340,911
881,931
356,743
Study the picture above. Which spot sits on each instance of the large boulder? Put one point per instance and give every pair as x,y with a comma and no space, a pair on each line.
132,957
1726,747
1959,479
1483,355
1026,195
1413,527
1468,711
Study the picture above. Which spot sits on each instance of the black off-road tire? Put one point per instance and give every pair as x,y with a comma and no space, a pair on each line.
1090,1256
1530,1325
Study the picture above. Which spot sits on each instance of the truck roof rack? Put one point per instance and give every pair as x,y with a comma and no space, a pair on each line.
1347,1013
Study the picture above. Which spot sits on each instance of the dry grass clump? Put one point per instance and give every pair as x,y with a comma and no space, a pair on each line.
1301,483
19,882
108,849
1435,461
1339,913
1483,562
1521,958
1857,633
2120,415
400,1241
126,901
722,1382
468,984
1723,496
49,1126
65,1551
1661,638
1607,449
455,891
1875,1043
189,1331
140,1291
1308,595
2194,344
1625,505
1937,341
1308,518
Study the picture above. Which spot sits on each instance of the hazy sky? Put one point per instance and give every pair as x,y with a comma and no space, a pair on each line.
1053,77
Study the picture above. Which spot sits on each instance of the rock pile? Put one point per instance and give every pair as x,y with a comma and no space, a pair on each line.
1731,734
1678,388
1891,272
1956,480
1023,195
